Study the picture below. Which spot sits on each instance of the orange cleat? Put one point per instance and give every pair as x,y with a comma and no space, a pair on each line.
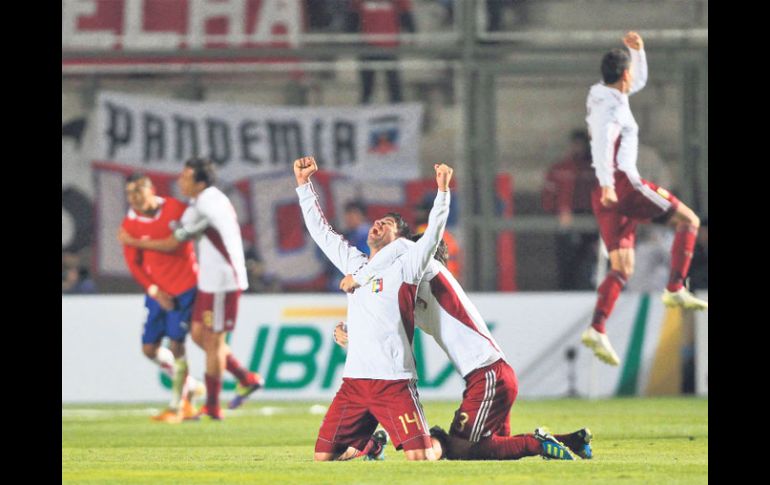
168,416
188,410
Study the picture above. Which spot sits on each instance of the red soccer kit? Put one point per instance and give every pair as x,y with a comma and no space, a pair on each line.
174,272
639,201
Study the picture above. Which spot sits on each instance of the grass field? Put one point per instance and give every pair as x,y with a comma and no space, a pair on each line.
661,441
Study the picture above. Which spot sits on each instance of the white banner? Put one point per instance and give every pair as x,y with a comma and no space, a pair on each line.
288,339
159,134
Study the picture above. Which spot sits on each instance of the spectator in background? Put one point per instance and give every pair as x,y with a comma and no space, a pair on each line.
496,12
567,191
75,277
374,19
357,226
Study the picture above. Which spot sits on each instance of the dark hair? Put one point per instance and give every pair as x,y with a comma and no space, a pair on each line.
137,176
356,205
442,252
401,225
203,169
613,64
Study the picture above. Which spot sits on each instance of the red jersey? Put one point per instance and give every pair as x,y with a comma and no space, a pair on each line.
381,17
174,272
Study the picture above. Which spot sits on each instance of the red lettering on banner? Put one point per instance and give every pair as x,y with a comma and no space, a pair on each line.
141,24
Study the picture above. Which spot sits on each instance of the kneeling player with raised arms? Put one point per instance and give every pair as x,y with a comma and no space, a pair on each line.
378,383
480,429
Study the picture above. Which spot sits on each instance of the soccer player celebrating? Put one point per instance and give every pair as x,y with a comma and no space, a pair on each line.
481,427
622,199
221,277
170,282
378,383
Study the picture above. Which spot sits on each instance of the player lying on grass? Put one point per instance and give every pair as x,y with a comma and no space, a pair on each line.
481,428
378,381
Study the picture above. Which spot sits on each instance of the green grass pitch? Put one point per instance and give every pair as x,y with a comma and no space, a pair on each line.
642,440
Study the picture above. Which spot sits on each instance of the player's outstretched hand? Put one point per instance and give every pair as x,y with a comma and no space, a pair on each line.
443,176
341,335
348,284
632,40
303,168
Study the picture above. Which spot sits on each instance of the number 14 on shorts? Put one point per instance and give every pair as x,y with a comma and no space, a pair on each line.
406,419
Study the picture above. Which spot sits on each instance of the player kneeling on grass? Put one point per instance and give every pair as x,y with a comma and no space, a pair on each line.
378,382
481,426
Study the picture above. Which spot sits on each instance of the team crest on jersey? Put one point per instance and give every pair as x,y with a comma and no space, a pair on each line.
377,285
663,192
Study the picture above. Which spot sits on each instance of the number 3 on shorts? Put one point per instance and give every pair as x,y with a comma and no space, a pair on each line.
406,419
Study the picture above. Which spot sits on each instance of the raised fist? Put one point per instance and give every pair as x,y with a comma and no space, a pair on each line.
443,176
303,168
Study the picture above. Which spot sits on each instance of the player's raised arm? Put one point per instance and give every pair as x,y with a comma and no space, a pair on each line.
635,45
419,256
343,256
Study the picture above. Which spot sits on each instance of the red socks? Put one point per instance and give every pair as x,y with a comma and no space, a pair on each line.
681,255
608,291
236,369
213,385
506,448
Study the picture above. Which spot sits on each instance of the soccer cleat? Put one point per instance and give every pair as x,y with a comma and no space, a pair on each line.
243,392
168,416
553,449
600,344
215,414
684,299
443,438
188,410
380,437
584,437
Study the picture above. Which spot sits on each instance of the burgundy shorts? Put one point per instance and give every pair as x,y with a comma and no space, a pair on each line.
486,408
637,203
217,311
361,403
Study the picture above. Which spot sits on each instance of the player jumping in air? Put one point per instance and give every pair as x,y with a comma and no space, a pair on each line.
623,199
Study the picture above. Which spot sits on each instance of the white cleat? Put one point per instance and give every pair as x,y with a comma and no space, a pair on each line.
600,344
683,299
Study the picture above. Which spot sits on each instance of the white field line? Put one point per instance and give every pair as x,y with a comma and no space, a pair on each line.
90,413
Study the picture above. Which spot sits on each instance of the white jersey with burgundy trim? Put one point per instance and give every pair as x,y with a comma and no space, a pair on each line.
380,318
443,311
221,262
610,121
